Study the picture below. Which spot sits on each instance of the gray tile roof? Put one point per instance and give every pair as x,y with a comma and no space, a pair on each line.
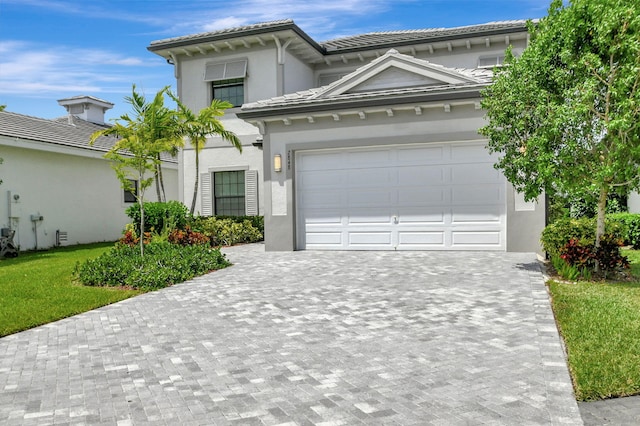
228,33
356,42
309,97
479,79
386,38
57,132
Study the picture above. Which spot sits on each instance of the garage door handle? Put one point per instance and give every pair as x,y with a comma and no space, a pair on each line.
395,220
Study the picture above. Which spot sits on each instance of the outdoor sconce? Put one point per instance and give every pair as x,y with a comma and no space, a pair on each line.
277,163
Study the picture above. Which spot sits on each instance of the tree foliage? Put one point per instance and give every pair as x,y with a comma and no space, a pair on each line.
565,115
141,139
198,127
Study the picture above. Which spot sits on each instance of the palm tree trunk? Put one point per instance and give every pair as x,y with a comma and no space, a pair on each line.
161,181
195,186
157,179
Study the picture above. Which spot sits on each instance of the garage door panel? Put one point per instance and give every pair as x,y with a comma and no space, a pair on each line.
477,214
476,238
368,216
323,216
475,195
369,158
382,238
359,197
462,174
421,175
423,239
324,238
424,196
470,153
321,179
328,161
420,156
369,178
417,216
323,199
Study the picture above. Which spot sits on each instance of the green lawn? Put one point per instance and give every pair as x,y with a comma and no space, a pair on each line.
36,288
600,324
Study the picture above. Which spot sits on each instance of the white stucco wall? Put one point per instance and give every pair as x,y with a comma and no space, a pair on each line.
633,202
260,82
297,75
219,155
74,190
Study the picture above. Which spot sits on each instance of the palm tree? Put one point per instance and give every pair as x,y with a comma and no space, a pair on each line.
198,127
141,139
159,126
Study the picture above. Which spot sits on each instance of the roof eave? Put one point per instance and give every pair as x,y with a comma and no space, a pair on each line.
427,40
383,100
209,38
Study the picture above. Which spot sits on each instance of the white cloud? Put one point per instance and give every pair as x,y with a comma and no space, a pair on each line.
34,68
223,23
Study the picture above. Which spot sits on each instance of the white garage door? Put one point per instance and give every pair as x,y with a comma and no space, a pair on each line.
417,197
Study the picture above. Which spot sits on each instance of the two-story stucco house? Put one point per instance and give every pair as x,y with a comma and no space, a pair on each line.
367,142
57,189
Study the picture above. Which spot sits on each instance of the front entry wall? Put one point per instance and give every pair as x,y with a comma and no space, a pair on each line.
443,196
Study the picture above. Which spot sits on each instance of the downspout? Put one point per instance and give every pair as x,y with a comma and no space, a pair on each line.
281,50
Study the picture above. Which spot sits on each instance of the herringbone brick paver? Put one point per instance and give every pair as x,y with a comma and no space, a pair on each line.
306,338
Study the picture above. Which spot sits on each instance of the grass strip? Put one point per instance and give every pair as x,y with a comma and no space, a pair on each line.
36,287
600,324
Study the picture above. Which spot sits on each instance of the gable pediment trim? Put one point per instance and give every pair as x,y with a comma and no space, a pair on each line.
403,63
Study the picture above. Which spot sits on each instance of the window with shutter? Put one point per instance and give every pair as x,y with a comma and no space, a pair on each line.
229,193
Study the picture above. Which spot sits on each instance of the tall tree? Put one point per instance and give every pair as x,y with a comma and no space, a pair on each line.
158,124
141,139
198,127
565,115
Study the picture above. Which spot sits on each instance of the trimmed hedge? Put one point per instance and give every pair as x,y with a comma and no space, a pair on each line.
157,215
630,223
556,235
228,231
163,264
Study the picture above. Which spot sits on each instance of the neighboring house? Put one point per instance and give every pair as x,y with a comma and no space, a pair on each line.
58,189
367,142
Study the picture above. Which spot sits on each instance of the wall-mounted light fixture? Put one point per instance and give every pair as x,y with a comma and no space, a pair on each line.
277,163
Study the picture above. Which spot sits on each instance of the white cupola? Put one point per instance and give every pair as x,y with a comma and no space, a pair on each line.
86,108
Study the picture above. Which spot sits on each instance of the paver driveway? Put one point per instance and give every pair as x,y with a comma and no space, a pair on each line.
306,338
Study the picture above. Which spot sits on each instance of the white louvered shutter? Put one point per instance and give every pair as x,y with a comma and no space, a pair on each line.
251,192
205,194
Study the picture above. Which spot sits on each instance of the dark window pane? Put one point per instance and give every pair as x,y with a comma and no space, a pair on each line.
130,196
229,193
229,90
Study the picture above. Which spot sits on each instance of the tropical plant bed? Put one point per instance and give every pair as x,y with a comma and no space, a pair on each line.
38,287
600,324
163,264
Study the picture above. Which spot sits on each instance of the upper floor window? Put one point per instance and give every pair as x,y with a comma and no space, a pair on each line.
231,90
227,80
490,61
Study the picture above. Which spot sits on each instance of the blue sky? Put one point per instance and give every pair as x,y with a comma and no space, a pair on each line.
53,49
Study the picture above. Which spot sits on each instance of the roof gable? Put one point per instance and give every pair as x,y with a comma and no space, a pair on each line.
394,70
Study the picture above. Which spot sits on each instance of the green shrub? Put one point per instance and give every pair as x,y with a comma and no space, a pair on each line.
159,216
228,231
560,232
256,221
163,264
564,269
630,224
